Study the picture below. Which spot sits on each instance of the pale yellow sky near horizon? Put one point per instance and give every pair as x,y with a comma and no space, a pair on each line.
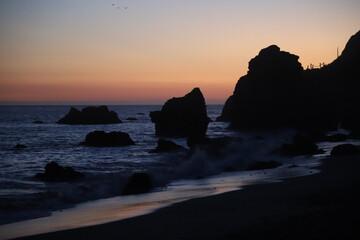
147,51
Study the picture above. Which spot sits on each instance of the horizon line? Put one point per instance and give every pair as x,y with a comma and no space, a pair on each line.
96,103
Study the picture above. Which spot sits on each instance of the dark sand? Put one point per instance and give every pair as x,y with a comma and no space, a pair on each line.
320,206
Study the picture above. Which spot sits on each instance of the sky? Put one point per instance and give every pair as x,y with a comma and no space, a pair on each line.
148,51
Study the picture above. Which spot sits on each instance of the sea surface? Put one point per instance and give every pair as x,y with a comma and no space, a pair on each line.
107,170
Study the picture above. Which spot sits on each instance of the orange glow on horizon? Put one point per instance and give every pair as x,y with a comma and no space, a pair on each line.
71,51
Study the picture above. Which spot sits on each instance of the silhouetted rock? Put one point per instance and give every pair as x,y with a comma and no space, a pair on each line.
336,137
20,146
111,139
138,183
182,117
38,122
261,165
166,146
268,95
345,149
56,173
277,92
302,145
89,116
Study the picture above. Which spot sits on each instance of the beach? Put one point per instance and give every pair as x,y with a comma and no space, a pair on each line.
318,206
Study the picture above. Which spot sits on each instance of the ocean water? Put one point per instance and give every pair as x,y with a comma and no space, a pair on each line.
107,170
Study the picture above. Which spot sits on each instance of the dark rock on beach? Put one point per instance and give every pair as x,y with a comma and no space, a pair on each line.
182,117
90,116
345,149
56,173
167,146
301,145
111,139
20,146
261,165
131,119
138,183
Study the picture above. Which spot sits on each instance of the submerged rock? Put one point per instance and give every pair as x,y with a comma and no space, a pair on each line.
167,146
182,117
56,173
261,165
90,116
345,149
138,183
38,122
111,139
20,146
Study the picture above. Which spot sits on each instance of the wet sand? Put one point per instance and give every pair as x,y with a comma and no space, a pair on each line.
319,206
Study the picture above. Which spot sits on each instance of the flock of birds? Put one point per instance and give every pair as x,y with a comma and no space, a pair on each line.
119,7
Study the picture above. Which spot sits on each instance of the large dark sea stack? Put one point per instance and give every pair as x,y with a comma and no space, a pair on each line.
277,92
111,139
268,95
89,116
182,117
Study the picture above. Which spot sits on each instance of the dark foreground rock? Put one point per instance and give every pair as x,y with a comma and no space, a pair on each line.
261,165
302,145
56,173
111,139
90,116
167,146
345,149
138,183
182,117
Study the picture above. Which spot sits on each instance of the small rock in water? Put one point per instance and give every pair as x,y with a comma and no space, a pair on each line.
139,183
20,146
166,146
111,139
56,173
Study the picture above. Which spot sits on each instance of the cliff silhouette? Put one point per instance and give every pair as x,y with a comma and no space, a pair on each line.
277,92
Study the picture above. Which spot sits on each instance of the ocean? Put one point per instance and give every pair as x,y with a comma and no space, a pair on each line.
107,170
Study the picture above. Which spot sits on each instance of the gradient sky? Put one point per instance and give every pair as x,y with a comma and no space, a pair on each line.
147,51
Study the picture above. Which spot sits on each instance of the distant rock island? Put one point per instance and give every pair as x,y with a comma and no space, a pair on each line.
278,92
90,116
182,117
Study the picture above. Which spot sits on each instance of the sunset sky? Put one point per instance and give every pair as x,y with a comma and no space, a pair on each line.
147,51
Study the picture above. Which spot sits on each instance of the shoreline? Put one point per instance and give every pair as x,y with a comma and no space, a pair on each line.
323,204
124,207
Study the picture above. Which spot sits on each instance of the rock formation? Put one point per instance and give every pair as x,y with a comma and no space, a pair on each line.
138,183
56,173
277,92
166,146
111,139
89,116
182,117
